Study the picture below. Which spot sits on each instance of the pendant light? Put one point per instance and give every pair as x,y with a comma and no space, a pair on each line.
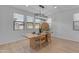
40,15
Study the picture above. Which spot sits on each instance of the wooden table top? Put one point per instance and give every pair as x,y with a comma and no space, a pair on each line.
30,35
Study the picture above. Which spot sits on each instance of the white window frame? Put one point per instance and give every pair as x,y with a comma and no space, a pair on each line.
17,23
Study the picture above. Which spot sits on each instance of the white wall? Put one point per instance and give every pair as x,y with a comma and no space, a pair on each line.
6,25
63,25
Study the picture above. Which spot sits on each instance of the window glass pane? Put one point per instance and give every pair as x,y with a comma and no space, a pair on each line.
49,21
19,17
29,25
76,25
37,21
30,19
18,25
76,17
37,25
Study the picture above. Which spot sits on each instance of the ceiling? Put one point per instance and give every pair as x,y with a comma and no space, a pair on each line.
48,10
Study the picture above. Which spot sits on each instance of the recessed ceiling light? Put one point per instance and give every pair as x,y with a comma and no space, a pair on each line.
55,6
26,5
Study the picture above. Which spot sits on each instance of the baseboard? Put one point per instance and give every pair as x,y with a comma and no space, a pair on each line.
8,42
66,38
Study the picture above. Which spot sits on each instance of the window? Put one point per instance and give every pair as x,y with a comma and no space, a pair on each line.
49,21
29,25
18,17
29,22
76,22
29,19
37,23
32,23
18,23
